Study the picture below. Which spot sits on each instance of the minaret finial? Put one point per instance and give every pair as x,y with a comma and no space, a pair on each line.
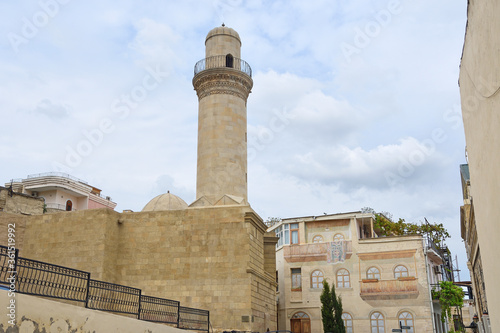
223,24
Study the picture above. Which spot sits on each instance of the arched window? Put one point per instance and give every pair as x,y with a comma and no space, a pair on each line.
317,239
406,319
229,60
373,273
69,206
317,279
343,279
377,323
347,318
338,237
400,271
300,315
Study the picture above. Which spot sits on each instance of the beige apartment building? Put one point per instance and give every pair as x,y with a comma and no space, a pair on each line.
61,192
479,86
473,250
382,280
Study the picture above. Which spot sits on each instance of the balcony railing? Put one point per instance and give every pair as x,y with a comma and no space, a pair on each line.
389,289
222,61
56,174
315,252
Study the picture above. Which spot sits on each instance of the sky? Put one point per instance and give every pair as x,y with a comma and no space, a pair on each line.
354,104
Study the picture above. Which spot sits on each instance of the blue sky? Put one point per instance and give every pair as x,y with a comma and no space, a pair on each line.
365,95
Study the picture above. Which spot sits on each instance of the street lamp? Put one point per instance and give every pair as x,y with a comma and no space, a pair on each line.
473,324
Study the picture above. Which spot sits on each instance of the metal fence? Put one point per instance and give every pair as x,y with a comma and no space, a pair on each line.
38,278
222,61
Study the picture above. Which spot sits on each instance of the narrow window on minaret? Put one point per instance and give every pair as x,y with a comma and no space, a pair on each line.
229,60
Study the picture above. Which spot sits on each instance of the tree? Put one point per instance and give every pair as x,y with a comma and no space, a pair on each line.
449,296
436,232
331,310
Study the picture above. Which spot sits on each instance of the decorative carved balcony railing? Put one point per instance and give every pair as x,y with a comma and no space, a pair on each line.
389,289
318,252
222,61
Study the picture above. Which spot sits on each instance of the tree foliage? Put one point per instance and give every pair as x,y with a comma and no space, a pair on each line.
449,295
436,232
331,310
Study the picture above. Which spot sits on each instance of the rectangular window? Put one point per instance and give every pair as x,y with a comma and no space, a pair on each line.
287,233
296,279
294,229
279,234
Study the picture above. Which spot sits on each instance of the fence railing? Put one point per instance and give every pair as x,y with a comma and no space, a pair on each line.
222,61
38,278
56,174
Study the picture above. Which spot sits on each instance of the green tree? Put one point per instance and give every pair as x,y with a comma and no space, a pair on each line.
449,296
331,310
435,231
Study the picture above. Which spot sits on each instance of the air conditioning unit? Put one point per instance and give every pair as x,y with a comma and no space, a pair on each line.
437,270
34,194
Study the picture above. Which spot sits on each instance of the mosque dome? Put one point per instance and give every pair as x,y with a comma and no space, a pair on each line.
223,30
165,201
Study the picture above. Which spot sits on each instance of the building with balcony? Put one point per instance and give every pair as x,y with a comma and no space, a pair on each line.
382,280
474,262
479,83
61,192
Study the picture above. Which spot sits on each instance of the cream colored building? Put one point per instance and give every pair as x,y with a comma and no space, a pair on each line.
382,280
473,250
213,254
479,86
61,192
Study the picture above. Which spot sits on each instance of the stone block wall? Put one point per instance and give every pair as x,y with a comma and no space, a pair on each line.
20,203
210,258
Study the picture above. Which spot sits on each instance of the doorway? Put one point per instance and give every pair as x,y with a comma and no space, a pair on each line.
300,323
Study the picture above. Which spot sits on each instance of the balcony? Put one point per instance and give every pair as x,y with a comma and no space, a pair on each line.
222,61
317,252
401,288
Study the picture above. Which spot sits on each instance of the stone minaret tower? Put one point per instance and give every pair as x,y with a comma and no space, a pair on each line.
223,82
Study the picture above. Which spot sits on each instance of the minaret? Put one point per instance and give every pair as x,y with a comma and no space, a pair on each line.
223,82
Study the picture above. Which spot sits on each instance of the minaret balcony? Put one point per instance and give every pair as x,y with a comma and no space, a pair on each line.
223,61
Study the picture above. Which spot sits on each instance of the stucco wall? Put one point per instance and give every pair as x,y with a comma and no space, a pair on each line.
479,86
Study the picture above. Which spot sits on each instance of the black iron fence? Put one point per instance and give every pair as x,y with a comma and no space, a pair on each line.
38,278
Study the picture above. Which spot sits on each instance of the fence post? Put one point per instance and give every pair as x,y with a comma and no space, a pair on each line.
178,314
16,274
208,322
88,291
140,299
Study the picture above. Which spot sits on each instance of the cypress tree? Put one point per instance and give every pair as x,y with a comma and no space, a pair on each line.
338,326
327,309
331,310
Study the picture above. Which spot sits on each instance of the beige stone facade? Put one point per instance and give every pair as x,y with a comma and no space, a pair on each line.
381,280
223,82
473,250
18,203
479,85
213,258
